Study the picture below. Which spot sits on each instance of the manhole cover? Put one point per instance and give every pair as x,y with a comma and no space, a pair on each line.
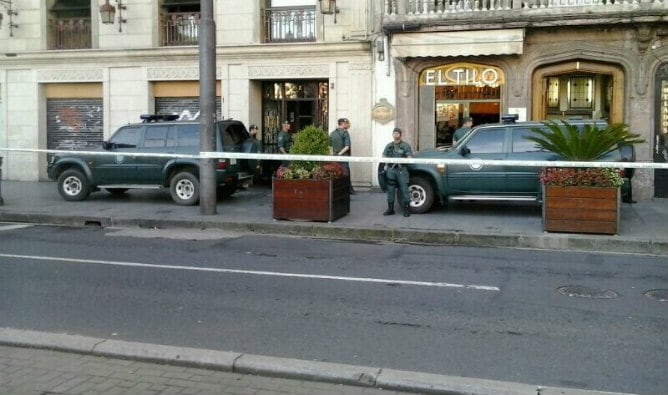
658,294
586,292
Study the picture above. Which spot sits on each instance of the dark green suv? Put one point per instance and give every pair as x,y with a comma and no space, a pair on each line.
145,155
431,184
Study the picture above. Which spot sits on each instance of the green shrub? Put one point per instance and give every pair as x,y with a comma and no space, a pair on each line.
311,140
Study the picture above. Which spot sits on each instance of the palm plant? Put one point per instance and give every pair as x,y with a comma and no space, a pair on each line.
589,144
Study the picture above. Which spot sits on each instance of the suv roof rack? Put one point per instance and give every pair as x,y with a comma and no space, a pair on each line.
147,118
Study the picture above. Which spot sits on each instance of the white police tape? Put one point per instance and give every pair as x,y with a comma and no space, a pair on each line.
472,162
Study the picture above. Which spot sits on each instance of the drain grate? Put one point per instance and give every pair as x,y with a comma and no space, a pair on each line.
586,292
657,294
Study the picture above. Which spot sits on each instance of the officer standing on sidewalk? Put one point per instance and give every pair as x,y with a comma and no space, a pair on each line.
339,145
396,173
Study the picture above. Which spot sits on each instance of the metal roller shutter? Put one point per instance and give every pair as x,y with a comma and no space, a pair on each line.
74,124
187,107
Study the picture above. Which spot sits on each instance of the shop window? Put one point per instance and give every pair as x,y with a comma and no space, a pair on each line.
289,21
580,92
179,22
553,92
69,25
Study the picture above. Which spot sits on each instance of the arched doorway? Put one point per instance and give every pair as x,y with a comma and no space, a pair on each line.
578,88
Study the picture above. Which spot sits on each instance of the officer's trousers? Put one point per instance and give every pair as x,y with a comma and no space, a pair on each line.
397,178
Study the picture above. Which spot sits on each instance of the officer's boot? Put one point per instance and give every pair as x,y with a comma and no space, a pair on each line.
407,210
390,209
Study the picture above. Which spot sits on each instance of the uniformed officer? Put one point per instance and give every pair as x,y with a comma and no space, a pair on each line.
284,141
396,173
339,145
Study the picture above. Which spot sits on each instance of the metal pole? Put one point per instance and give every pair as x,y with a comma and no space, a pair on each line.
207,101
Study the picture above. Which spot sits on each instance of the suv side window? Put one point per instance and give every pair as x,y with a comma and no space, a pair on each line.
156,136
487,141
188,135
521,144
126,137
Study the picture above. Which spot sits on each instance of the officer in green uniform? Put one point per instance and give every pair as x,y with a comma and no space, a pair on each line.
339,145
397,174
284,141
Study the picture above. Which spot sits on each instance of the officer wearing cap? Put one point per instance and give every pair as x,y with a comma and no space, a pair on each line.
339,145
396,173
284,142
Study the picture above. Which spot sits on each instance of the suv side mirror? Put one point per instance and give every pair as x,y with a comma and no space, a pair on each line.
107,145
464,151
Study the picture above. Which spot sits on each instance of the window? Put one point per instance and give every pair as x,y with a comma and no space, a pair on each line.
188,136
289,20
521,144
487,141
553,92
580,92
155,137
69,24
179,22
126,137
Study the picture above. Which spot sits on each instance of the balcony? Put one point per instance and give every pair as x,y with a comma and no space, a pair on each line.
404,15
69,33
282,24
180,28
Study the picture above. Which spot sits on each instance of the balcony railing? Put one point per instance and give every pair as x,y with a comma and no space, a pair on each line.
69,33
289,24
443,8
180,28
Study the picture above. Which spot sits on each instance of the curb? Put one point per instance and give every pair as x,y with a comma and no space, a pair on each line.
542,241
362,376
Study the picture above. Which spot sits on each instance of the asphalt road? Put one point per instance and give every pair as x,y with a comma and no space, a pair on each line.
488,313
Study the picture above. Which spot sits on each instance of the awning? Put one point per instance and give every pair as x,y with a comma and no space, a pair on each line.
469,43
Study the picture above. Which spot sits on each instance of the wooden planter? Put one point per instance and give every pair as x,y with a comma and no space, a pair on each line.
311,200
581,209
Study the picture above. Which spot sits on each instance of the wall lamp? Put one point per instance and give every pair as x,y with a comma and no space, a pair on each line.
328,7
108,13
11,13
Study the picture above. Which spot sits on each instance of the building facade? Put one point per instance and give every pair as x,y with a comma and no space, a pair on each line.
71,73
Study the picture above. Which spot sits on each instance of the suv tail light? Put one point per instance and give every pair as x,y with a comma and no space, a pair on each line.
222,164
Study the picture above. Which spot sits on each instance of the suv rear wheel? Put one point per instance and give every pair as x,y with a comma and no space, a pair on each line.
184,188
73,185
421,194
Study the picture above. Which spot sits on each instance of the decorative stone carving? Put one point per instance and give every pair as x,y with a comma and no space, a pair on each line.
89,75
173,73
288,71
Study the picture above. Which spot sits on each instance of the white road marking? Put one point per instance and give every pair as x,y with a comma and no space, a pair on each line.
258,273
14,226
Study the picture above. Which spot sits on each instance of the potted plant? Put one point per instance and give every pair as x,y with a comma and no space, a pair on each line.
582,200
310,190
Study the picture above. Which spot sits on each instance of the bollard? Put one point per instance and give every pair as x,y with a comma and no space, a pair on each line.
1,181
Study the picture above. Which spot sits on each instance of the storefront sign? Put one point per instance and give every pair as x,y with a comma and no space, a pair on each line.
463,74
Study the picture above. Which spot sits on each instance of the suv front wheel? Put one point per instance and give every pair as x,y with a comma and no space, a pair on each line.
421,194
184,188
73,185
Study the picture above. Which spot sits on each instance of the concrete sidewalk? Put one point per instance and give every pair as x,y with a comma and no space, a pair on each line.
33,363
643,225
